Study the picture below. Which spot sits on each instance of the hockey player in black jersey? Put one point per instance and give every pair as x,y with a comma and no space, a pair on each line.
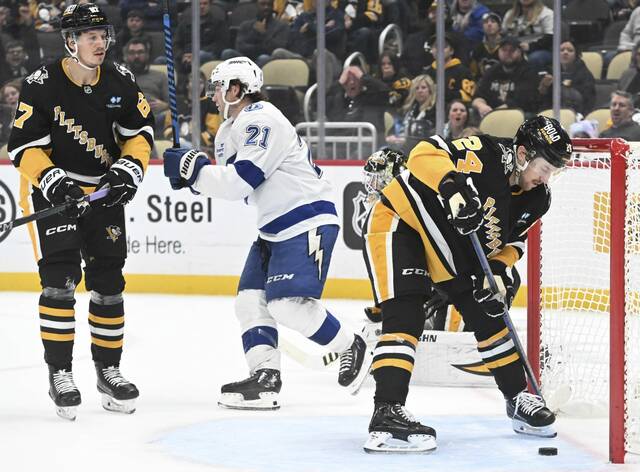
82,124
419,230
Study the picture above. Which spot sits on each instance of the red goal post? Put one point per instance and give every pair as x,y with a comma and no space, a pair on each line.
583,272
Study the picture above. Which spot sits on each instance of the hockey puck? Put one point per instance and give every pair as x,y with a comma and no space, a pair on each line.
548,451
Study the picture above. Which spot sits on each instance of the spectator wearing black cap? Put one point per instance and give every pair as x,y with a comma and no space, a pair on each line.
134,28
457,77
485,54
511,83
578,90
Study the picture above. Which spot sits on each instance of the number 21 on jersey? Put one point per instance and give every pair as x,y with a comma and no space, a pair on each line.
471,162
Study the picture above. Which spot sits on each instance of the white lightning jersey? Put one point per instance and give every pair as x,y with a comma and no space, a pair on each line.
262,159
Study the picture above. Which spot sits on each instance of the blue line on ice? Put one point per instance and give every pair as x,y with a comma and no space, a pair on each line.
271,442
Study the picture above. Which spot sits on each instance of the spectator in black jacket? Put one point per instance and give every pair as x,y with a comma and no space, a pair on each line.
510,84
257,39
152,10
214,37
362,22
578,90
302,37
485,54
15,60
134,28
457,77
21,27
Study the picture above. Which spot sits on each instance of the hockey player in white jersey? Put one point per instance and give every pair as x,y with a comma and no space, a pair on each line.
262,160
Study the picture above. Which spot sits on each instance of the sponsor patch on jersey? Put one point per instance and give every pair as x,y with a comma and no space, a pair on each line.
38,76
124,71
115,102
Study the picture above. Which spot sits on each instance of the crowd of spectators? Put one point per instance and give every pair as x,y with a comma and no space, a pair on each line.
497,55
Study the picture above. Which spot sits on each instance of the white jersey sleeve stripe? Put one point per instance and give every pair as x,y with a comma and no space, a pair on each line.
37,143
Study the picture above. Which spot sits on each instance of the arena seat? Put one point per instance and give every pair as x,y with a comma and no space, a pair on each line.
503,122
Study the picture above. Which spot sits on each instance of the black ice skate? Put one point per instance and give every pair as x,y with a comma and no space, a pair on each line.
258,392
355,364
118,394
530,415
394,430
63,392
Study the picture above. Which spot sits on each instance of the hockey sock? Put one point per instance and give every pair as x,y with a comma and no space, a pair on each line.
394,355
494,345
106,323
57,330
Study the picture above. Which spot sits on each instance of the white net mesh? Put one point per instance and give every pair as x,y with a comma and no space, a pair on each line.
575,276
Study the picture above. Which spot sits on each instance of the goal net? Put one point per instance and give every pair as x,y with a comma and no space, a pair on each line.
584,291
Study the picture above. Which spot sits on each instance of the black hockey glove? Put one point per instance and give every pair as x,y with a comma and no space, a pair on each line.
508,281
58,188
122,178
461,202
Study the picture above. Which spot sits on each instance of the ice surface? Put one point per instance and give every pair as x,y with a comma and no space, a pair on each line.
179,350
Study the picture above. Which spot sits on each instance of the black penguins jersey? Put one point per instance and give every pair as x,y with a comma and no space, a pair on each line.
489,161
82,129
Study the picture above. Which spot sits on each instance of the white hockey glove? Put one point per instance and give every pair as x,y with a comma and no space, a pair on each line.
58,188
122,178
461,202
508,281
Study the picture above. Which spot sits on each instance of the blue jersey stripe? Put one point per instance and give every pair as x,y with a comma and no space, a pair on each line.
249,172
298,214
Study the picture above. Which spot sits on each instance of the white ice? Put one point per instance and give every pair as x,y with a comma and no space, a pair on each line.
179,350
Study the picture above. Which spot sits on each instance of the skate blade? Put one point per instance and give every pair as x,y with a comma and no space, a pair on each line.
235,401
355,386
119,406
67,412
521,427
385,443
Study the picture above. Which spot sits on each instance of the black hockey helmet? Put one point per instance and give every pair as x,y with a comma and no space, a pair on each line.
544,137
381,167
87,16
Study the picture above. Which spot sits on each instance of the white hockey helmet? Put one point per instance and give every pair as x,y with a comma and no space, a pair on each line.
242,69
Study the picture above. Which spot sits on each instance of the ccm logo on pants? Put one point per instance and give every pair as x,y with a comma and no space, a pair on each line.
60,229
278,277
422,272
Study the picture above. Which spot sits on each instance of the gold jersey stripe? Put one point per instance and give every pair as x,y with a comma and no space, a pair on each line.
137,147
399,363
502,362
381,223
394,337
33,162
60,312
429,164
106,321
107,344
494,338
508,256
401,202
56,337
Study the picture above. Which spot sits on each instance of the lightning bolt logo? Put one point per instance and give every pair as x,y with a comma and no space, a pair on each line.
314,249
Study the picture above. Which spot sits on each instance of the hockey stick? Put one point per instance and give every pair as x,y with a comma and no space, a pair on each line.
311,361
482,258
171,73
50,211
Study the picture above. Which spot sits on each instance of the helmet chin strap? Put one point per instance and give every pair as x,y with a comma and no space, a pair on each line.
227,105
519,168
74,54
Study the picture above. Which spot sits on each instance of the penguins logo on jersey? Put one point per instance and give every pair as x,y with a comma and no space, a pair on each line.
124,71
38,76
507,159
113,233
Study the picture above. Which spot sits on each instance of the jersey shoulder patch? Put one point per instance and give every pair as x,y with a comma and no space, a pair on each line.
124,71
253,107
38,76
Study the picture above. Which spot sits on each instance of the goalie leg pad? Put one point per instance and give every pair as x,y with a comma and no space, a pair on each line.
308,317
259,330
